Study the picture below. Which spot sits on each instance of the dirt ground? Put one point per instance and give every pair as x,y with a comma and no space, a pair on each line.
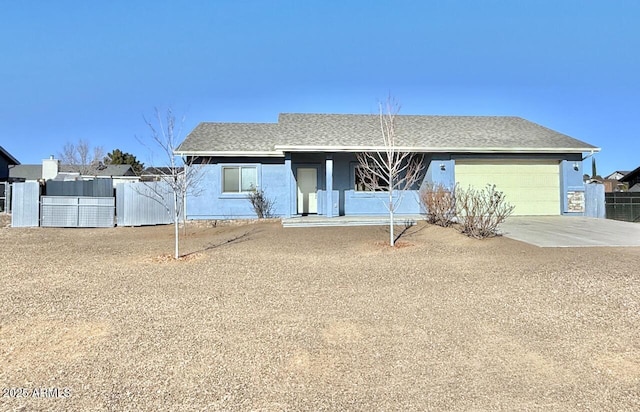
258,317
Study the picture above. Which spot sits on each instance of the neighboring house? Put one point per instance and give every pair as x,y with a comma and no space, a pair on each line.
159,173
307,163
617,175
6,161
632,179
613,185
51,169
21,173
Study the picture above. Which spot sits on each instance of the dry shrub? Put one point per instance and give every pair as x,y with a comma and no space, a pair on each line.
480,211
439,204
262,205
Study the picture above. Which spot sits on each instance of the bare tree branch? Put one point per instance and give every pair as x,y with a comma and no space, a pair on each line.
78,156
181,175
389,169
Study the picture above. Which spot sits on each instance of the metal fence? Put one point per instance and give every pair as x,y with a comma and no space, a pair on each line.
623,206
25,205
144,203
83,188
136,204
77,211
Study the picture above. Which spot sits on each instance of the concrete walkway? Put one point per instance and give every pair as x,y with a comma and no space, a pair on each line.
570,231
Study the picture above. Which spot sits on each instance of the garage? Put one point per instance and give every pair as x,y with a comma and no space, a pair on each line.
532,186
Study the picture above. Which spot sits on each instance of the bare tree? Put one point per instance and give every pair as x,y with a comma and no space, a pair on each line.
81,156
389,169
180,175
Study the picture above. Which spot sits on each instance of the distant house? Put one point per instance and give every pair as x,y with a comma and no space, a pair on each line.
308,163
617,175
612,183
6,161
51,169
21,173
153,173
632,179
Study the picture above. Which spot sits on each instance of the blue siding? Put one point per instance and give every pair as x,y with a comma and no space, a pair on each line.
368,203
570,181
437,176
336,184
211,203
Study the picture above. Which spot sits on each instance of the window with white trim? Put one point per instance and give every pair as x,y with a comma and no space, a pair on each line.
239,179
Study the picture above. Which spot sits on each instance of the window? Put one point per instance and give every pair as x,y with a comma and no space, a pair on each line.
366,181
239,179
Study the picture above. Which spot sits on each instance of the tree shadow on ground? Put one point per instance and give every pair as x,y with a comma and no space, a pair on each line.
242,237
410,227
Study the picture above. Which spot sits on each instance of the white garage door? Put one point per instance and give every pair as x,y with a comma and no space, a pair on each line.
532,186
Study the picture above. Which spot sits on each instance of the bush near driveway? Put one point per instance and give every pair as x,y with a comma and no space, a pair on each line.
478,212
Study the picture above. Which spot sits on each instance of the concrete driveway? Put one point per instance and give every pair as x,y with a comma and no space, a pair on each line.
570,231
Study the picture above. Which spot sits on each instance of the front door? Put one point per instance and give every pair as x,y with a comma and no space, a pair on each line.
307,190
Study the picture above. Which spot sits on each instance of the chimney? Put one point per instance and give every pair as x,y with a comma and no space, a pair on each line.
50,168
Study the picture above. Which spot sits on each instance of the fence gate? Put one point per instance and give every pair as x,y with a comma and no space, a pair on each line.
25,204
77,211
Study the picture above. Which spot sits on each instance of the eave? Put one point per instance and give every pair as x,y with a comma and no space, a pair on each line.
281,150
230,153
422,149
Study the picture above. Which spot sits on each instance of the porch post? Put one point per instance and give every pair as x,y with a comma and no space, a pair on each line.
291,186
329,185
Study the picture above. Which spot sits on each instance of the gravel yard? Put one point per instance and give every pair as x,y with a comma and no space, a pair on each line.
258,317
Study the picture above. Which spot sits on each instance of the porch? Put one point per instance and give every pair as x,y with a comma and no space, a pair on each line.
325,184
377,220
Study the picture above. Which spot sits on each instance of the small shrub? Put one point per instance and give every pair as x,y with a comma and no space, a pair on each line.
262,205
439,204
480,211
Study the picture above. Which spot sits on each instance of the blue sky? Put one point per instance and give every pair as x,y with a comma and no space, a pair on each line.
91,69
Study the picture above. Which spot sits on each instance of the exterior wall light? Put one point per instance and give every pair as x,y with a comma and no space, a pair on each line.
576,166
442,167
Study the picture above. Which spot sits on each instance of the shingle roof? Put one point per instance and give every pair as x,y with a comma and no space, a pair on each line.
34,172
299,132
100,170
631,175
232,137
26,172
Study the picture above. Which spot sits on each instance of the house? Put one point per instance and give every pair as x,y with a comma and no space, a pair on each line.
632,179
617,175
307,163
613,185
152,173
6,161
51,169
